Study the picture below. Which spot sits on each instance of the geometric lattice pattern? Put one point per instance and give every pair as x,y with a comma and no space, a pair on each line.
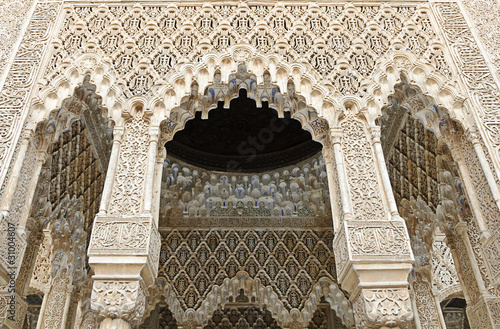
412,163
168,35
75,171
290,261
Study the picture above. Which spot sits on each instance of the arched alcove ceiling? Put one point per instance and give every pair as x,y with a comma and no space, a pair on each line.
242,138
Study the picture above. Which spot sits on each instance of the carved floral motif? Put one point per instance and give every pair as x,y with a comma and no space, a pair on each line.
119,299
364,185
428,315
376,308
130,175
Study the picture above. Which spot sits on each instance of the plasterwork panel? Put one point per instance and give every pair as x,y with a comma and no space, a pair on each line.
89,321
489,270
364,187
467,276
426,305
444,275
488,206
478,316
476,75
120,236
381,240
15,14
494,309
128,188
9,235
54,311
265,27
483,16
21,194
341,250
492,251
21,77
20,308
288,260
26,268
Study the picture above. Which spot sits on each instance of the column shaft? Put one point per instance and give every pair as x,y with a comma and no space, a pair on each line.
386,182
339,161
110,176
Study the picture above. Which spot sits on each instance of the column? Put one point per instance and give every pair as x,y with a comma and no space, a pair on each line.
386,182
428,310
332,183
125,243
17,228
336,138
68,259
372,249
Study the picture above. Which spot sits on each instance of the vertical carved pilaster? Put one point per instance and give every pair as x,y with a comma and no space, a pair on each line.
125,243
372,249
386,182
428,311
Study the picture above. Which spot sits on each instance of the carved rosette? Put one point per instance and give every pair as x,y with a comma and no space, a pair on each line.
383,308
119,299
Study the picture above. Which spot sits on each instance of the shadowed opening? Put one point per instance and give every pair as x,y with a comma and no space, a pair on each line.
243,138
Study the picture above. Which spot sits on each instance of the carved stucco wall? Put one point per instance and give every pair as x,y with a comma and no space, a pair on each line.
15,14
22,75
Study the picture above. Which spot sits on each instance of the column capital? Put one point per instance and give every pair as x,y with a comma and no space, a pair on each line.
375,133
27,134
161,155
382,308
336,135
42,156
154,133
462,228
118,133
473,135
123,299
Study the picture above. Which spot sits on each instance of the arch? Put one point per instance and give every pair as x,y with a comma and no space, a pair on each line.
403,67
88,81
265,297
258,83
